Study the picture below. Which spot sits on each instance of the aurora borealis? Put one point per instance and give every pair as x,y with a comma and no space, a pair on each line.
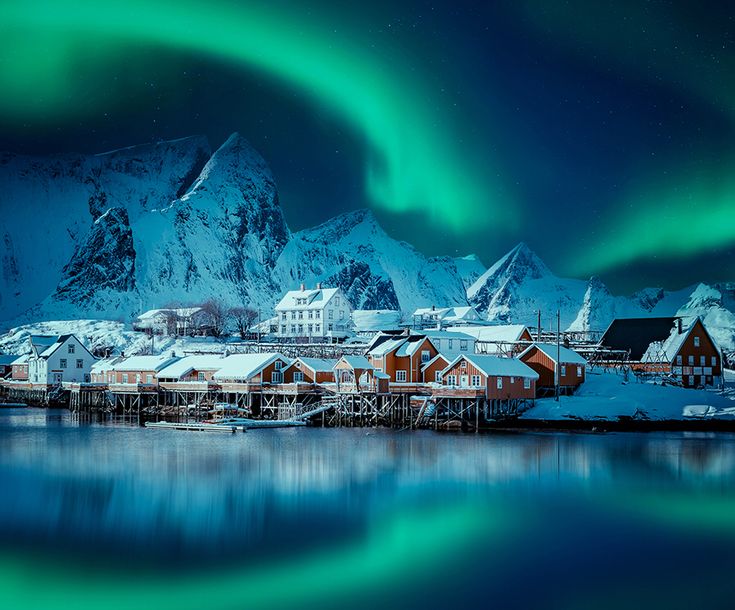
599,134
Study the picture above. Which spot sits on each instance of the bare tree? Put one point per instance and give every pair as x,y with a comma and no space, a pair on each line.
216,316
243,318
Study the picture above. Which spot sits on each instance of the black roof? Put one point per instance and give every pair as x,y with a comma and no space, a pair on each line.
636,334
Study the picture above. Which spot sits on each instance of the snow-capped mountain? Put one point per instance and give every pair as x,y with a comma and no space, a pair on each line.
353,252
470,268
171,223
520,284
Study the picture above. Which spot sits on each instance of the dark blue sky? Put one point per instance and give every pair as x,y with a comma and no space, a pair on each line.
606,124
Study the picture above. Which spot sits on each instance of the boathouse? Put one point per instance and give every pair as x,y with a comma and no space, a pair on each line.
138,371
431,371
309,370
401,357
257,369
490,377
19,368
568,365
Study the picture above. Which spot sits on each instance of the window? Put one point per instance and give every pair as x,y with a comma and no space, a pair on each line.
276,377
200,376
463,345
80,363
301,329
425,356
137,378
500,383
293,315
71,348
125,378
62,363
691,379
283,316
293,329
330,327
678,360
283,329
696,341
451,380
336,301
318,314
311,315
149,379
341,314
317,328
400,376
714,360
579,371
331,314
563,370
278,365
690,360
702,361
301,315
476,381
526,383
463,364
449,343
438,376
512,379
310,328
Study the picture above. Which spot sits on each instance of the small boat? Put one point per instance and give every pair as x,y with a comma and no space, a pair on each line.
215,427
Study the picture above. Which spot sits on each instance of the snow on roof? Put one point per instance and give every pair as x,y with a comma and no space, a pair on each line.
144,363
183,312
318,365
104,365
187,364
566,355
498,333
315,299
411,345
387,346
667,349
376,319
242,367
497,366
21,359
356,362
433,360
444,334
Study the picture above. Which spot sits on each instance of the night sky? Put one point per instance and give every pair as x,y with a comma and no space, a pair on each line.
600,133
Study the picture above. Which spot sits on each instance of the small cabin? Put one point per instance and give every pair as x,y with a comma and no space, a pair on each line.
491,377
139,370
264,369
357,374
198,368
309,370
401,357
19,368
547,359
431,371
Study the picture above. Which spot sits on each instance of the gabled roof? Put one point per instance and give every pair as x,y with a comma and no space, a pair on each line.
566,355
386,345
315,299
440,312
242,367
318,365
412,344
501,333
21,359
444,334
355,362
433,360
44,346
104,365
495,366
183,312
636,334
666,350
144,363
183,366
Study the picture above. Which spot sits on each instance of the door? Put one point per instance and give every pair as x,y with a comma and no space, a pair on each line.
464,381
57,377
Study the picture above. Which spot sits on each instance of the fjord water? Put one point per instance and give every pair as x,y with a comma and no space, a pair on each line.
114,516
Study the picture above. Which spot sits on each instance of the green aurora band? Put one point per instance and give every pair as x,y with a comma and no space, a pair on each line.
688,210
416,161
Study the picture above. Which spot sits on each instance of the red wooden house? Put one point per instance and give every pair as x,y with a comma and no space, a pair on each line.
309,370
490,377
549,361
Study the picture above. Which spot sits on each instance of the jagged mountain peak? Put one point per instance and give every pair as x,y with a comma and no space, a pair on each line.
356,223
519,264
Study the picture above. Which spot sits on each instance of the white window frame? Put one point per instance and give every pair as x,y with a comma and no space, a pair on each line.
526,383
437,376
401,376
425,356
149,379
276,377
278,365
579,371
499,383
298,376
475,381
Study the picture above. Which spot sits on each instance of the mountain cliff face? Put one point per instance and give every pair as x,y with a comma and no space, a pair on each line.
106,236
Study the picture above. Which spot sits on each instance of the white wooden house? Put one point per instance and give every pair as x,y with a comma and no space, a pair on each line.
178,321
318,313
58,358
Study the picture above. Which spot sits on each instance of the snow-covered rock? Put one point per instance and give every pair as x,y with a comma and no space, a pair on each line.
708,302
470,268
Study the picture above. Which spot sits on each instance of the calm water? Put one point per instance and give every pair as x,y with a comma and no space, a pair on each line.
103,516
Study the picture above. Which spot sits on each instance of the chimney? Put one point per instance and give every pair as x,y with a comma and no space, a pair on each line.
303,287
433,308
318,285
679,325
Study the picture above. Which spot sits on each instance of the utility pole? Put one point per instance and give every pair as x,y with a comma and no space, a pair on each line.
558,355
538,327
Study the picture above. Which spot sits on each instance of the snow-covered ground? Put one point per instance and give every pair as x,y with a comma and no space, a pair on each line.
100,334
606,396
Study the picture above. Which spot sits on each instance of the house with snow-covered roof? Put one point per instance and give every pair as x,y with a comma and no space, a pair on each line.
6,365
439,317
431,371
554,362
689,353
262,369
139,370
310,370
450,343
19,368
176,321
55,359
401,357
195,371
489,377
321,313
498,339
